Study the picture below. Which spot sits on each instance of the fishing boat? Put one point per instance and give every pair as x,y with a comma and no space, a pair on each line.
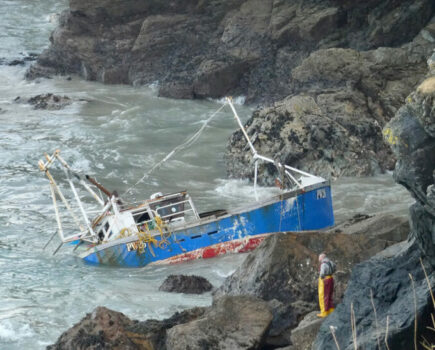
167,228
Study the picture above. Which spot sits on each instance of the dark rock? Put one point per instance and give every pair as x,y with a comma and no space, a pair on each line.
285,318
176,90
107,329
32,56
16,63
151,334
284,268
40,71
101,329
331,122
49,101
411,135
19,61
217,78
252,44
232,322
186,284
303,335
387,277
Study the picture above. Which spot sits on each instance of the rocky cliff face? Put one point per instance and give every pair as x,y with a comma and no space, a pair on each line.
212,47
331,123
396,278
339,69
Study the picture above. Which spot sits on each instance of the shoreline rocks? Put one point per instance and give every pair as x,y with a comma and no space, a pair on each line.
186,284
232,322
263,301
396,277
49,101
331,123
212,48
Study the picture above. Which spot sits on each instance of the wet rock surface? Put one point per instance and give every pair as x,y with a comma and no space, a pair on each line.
186,284
101,329
46,101
49,101
386,277
151,334
21,60
396,277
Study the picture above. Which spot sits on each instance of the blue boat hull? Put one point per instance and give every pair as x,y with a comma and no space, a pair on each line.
240,230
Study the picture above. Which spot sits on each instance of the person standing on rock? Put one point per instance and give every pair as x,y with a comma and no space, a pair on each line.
326,285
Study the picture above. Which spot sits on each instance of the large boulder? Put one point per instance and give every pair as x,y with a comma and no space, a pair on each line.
101,329
232,322
303,335
108,329
186,284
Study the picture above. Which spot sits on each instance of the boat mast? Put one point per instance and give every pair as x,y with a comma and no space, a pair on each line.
287,169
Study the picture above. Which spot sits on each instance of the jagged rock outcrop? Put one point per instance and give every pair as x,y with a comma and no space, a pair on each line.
107,329
331,123
343,68
208,48
186,284
339,69
284,268
232,322
49,101
303,335
101,329
396,278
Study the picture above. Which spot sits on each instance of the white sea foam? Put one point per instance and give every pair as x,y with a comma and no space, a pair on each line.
10,332
238,101
223,274
243,189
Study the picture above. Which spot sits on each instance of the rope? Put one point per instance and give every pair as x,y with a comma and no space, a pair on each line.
184,145
145,237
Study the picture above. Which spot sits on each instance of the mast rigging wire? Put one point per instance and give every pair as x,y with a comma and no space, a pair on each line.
184,145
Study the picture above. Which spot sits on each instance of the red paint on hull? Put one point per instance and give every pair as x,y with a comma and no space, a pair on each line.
237,246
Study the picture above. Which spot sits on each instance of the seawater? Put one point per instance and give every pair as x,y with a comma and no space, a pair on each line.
114,133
